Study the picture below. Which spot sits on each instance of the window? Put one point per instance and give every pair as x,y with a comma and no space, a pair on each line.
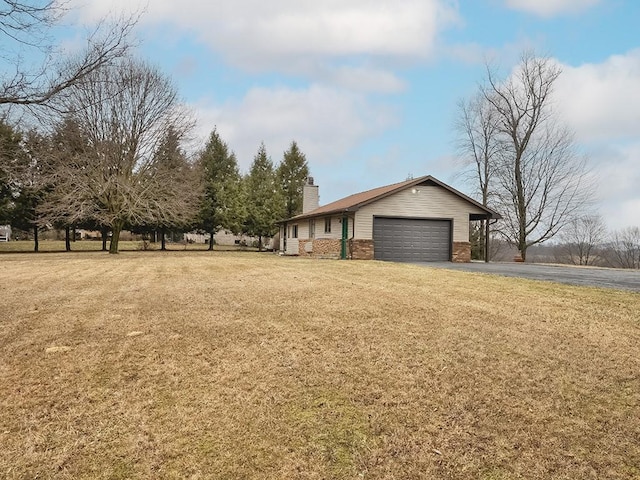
327,225
294,231
312,228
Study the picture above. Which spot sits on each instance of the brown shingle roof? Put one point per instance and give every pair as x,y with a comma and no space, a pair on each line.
357,200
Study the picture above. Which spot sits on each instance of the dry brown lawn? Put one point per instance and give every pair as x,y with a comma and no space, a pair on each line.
230,366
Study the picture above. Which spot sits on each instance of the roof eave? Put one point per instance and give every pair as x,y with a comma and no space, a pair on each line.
305,216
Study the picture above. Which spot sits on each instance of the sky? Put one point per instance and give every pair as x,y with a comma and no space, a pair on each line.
369,88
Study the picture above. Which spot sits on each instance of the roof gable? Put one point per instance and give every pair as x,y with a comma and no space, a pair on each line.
357,200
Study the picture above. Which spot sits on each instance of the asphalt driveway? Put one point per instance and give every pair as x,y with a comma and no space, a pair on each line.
587,276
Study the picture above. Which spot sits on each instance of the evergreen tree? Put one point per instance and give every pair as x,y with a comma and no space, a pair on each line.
28,186
264,199
67,142
172,170
10,151
222,205
292,174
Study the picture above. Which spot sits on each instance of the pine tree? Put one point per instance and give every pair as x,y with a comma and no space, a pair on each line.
292,174
10,150
68,143
28,186
223,200
173,172
264,200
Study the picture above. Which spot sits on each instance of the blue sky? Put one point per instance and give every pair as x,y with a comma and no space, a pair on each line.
368,88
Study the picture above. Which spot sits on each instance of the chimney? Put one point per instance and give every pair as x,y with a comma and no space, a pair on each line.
310,196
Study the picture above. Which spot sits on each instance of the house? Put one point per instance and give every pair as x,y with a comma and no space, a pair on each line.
221,237
418,220
5,233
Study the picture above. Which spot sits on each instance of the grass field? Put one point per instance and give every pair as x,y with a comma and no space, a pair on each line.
241,365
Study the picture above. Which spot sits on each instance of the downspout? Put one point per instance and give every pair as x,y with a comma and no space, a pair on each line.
345,236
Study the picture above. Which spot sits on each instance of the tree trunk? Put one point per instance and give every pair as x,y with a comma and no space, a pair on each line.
36,244
115,236
259,243
211,233
104,232
74,233
162,240
67,238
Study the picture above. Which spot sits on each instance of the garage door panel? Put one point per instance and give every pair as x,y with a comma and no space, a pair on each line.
411,240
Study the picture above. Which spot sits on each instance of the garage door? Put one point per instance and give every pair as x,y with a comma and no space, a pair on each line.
411,240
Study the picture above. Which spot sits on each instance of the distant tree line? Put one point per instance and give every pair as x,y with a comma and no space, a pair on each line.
585,241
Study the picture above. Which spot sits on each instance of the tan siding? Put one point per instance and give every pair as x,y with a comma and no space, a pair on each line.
303,229
427,202
336,229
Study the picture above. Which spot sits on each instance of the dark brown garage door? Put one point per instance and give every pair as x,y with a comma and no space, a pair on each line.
411,239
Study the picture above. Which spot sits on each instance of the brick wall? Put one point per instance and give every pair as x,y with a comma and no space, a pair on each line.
461,252
361,249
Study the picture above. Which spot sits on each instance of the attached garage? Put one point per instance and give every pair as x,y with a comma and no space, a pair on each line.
412,239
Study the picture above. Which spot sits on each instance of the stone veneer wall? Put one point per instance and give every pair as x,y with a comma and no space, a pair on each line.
361,249
461,252
320,248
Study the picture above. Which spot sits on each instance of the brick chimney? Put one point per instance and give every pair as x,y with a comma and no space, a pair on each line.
310,196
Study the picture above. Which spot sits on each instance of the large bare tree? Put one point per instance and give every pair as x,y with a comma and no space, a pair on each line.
114,175
34,71
538,180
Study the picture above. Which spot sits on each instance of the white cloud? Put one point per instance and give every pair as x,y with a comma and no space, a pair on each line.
325,122
256,34
549,8
364,79
618,177
600,101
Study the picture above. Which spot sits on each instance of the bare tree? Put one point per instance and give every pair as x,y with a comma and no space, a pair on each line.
478,144
116,176
581,237
25,32
625,248
540,180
